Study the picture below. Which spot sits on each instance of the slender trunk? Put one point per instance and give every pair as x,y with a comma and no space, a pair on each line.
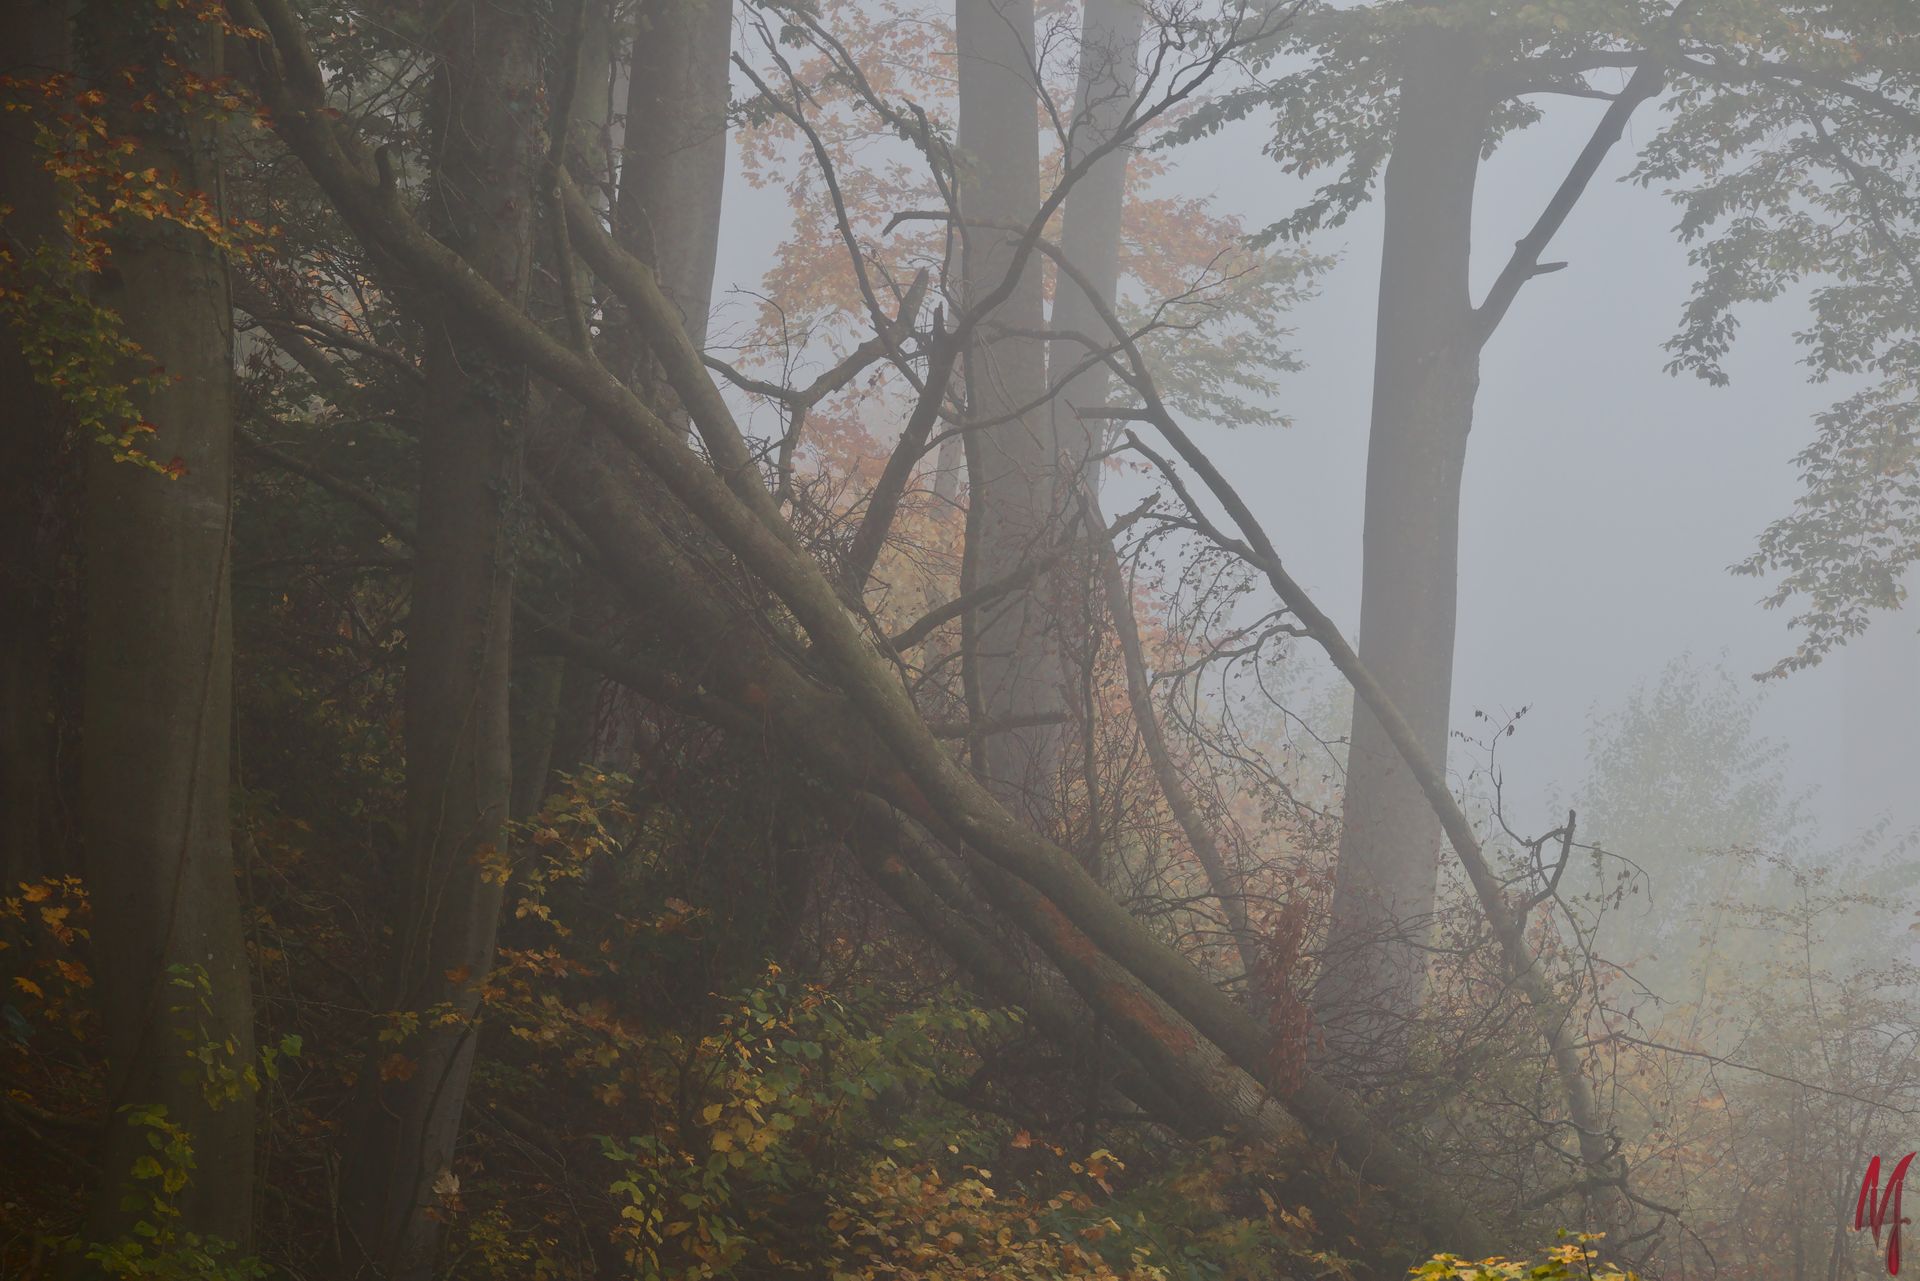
1011,464
36,501
673,167
169,947
458,742
1090,239
1426,372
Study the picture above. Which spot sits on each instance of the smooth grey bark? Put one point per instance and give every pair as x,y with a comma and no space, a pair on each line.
1426,374
674,163
1012,661
1090,238
459,763
672,141
169,950
37,493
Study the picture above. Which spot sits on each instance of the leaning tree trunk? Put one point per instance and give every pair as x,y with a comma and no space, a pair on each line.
458,743
1426,372
1011,660
36,493
168,943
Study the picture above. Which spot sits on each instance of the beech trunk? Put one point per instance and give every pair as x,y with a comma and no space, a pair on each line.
37,491
1013,663
459,764
1426,373
169,949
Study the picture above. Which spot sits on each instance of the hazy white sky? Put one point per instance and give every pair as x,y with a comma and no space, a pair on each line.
1604,499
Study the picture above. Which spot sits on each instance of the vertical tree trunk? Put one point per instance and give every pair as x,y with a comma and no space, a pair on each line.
1010,465
458,743
35,497
550,717
673,166
1426,372
171,957
1109,44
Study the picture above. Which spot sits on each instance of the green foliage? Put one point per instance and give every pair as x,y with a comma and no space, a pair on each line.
156,1247
1573,1260
225,1072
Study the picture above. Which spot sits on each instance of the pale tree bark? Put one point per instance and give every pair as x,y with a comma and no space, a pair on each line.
1090,242
168,941
1426,374
672,147
486,156
1090,238
1011,660
36,495
674,159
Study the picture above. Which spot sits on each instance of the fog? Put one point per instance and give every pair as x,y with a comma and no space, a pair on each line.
1605,499
622,662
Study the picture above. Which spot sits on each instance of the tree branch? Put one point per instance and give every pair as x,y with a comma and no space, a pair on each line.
1645,82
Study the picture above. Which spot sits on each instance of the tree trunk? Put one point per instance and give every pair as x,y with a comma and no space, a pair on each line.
169,947
37,500
1426,372
1012,657
674,165
458,743
916,773
672,143
1090,239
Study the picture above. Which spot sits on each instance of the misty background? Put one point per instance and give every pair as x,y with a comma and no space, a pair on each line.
1604,498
